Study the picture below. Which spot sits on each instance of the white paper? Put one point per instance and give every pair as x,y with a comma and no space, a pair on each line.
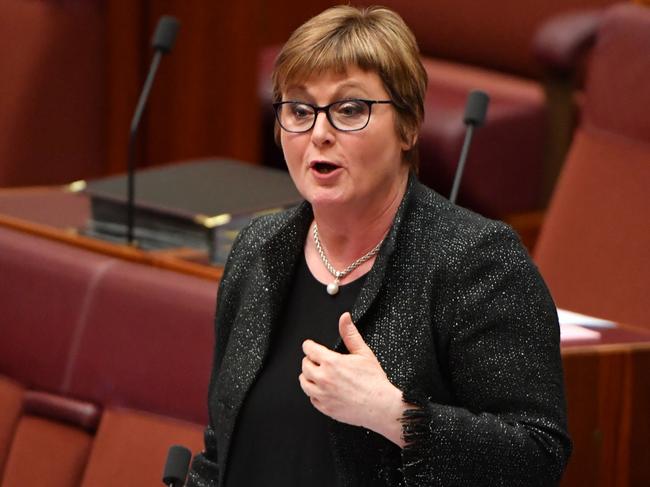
571,333
571,318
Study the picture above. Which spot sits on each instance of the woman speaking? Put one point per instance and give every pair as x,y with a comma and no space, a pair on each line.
376,335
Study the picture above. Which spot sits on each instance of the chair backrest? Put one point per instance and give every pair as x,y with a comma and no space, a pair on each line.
594,248
497,35
45,290
147,343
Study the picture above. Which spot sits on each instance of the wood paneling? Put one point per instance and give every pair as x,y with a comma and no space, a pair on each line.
204,101
125,67
607,397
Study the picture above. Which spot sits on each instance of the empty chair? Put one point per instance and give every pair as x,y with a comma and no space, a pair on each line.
131,446
593,249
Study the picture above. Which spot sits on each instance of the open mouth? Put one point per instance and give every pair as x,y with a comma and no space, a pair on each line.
324,167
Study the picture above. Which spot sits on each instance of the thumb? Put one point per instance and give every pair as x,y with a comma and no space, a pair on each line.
351,336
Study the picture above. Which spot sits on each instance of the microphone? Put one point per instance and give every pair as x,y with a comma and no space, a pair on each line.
176,466
162,42
475,110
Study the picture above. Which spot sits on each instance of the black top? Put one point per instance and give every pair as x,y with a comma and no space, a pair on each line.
280,438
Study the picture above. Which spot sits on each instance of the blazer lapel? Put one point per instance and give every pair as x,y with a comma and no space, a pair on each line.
377,274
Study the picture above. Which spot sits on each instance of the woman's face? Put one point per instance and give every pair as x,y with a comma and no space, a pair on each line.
360,169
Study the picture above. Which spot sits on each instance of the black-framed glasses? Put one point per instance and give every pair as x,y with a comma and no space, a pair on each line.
344,115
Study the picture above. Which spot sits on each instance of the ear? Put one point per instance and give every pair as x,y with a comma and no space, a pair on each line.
409,141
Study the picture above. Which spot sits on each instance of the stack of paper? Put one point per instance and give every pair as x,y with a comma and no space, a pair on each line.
576,326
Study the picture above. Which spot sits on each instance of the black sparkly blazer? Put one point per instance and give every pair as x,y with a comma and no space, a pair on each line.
460,321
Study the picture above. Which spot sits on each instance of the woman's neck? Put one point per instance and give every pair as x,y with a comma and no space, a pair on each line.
348,233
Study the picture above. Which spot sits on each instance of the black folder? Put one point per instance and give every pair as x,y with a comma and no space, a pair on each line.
201,204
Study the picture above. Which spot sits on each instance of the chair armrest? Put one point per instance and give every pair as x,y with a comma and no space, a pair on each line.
560,43
78,413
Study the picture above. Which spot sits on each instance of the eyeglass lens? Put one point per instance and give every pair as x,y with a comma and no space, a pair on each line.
344,115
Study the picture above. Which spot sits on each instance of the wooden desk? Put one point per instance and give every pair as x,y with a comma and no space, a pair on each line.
607,382
608,399
58,214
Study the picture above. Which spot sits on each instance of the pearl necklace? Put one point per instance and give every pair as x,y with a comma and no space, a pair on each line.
333,287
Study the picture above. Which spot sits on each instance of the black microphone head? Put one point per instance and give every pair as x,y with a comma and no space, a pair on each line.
178,462
476,108
165,35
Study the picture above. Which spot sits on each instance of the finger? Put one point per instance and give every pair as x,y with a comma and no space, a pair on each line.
307,387
351,337
317,353
310,369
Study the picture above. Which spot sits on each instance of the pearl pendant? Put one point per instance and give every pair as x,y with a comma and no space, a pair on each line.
333,287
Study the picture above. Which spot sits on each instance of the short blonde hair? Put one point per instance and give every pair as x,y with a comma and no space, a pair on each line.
374,39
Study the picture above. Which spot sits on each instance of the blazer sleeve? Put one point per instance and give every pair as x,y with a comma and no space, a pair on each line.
507,423
204,471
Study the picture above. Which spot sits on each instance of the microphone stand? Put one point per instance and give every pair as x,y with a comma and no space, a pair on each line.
135,123
461,163
475,111
163,41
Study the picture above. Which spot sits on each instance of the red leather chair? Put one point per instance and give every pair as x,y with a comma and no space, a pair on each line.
103,365
130,447
44,293
593,249
51,441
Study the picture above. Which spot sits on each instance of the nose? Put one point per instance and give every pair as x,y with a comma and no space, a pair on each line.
322,133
